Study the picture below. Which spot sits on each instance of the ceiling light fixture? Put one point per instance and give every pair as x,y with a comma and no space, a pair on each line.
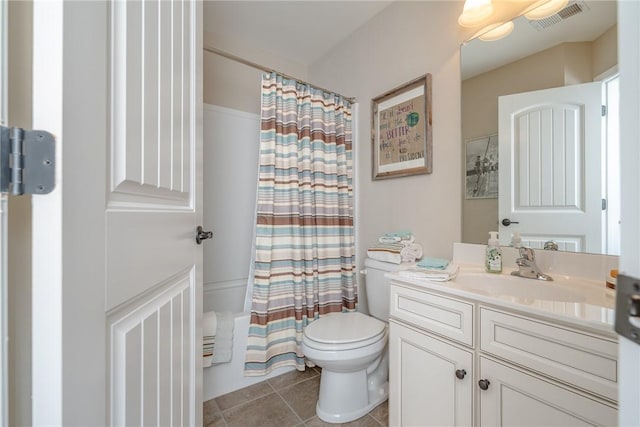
474,12
544,9
496,31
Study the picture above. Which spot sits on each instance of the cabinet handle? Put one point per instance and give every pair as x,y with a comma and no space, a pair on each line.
484,384
460,373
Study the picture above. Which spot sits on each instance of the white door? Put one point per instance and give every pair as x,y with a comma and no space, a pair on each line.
629,54
117,274
548,141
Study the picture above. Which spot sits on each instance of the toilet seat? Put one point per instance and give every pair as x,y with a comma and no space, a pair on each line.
344,331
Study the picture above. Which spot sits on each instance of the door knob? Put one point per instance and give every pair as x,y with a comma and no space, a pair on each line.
202,235
460,373
507,222
484,384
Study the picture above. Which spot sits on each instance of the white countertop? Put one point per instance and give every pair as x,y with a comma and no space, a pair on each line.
581,302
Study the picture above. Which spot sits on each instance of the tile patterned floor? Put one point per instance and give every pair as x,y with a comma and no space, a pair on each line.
286,400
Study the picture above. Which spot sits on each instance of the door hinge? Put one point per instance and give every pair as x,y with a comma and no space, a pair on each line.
27,161
604,204
627,322
604,110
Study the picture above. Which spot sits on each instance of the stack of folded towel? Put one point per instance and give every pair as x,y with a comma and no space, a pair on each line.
434,269
396,248
217,337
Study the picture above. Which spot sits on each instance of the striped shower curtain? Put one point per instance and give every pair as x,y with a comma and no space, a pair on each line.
304,259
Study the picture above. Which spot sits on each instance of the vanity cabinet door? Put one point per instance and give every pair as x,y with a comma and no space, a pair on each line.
511,397
430,380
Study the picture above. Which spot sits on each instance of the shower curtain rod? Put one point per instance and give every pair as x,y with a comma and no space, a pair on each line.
268,70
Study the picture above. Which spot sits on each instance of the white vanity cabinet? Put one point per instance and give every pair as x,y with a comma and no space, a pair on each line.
520,369
516,397
431,377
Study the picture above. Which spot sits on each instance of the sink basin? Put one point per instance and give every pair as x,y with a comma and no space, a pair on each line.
561,289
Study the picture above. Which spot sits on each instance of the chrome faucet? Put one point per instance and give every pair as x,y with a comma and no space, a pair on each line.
528,267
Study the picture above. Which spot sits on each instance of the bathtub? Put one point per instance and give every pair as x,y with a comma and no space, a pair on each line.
227,377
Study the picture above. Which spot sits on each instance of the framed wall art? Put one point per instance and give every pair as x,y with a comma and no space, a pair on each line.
481,167
401,130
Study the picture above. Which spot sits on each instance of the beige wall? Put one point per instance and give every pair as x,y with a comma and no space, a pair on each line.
404,41
19,77
605,51
230,84
565,64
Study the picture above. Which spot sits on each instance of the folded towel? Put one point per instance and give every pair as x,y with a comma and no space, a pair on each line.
209,323
434,275
395,253
433,263
384,255
389,239
411,252
404,234
217,342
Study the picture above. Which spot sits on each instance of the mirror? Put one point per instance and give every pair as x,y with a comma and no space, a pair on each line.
578,45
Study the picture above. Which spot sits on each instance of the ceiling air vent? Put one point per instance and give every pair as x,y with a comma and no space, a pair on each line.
572,9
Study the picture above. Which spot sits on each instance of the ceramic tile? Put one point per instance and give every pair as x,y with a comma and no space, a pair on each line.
381,413
302,397
212,415
266,411
290,378
243,395
366,421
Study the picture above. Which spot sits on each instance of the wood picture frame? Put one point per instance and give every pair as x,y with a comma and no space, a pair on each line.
401,130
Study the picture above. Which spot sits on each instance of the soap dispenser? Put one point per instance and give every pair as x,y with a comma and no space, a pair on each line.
493,256
516,240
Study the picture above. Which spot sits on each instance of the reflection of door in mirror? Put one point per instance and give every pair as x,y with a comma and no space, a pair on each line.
550,174
530,60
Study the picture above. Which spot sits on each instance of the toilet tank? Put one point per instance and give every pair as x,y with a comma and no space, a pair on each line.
377,287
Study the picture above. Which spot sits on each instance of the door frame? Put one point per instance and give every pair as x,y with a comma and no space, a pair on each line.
4,244
629,55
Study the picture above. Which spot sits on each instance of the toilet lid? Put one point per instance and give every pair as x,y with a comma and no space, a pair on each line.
343,328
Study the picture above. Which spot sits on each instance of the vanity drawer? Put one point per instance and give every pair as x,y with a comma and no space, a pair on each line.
441,315
584,360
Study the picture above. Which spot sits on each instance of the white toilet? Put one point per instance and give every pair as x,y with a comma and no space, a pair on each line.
351,349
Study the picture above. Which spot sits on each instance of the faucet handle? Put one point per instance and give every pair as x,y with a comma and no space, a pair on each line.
527,253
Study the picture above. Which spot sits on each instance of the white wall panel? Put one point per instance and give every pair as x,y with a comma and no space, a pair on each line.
232,140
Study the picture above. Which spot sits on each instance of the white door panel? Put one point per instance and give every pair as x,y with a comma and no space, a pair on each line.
152,261
143,249
151,357
549,139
